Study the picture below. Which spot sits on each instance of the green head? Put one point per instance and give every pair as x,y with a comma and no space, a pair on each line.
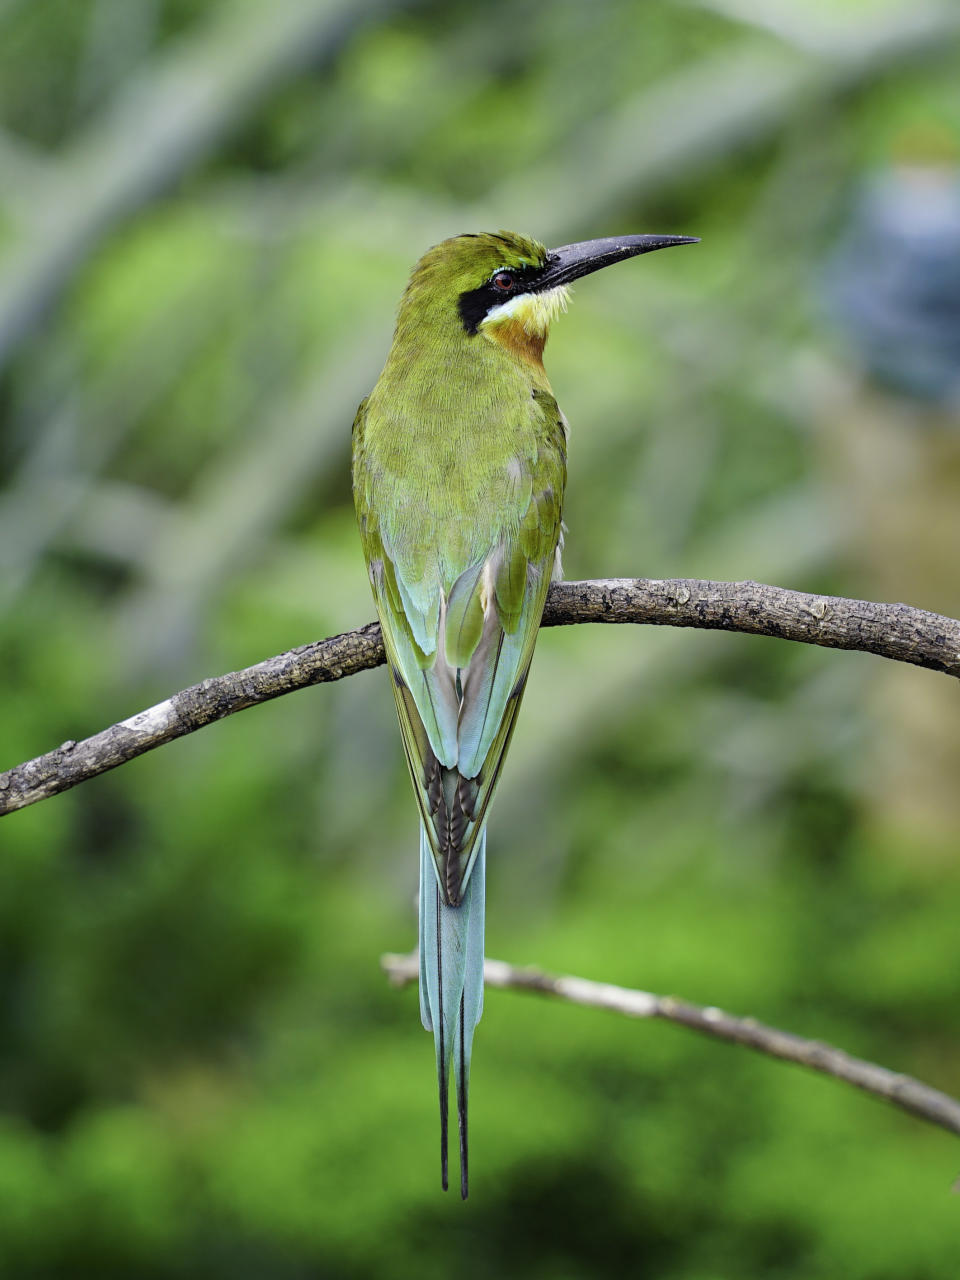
506,287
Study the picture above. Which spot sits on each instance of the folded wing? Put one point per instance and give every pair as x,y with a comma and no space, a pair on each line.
459,637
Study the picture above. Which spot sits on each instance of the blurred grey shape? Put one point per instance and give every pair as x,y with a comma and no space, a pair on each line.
893,282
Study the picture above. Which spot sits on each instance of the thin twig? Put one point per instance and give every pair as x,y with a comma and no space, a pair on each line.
903,1091
894,631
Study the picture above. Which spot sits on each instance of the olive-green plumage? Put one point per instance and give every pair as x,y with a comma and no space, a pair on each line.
459,468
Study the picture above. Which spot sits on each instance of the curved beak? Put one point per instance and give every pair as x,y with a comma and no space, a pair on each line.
571,261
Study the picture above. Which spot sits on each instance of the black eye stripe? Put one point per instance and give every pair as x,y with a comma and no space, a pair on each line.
475,303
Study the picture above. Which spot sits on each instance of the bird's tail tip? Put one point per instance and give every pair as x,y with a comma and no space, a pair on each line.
444,1112
451,991
462,1085
463,1078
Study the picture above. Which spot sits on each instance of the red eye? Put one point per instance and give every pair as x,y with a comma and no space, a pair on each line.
503,281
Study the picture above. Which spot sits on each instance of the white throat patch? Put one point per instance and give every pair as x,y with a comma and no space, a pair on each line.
534,311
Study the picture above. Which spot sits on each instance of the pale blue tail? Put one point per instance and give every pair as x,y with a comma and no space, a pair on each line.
451,984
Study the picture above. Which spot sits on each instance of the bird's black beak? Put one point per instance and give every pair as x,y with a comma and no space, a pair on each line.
571,261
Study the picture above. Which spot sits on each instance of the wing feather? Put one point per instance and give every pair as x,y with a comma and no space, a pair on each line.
459,633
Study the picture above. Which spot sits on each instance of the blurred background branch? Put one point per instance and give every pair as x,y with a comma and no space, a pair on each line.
902,1091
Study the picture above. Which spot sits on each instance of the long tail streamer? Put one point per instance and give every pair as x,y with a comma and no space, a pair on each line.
451,986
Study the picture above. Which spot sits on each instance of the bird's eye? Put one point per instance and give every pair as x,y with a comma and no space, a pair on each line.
503,281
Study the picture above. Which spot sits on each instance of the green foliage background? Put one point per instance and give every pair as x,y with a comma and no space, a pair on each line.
202,1069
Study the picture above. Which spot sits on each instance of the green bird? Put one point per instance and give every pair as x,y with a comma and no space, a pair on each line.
459,468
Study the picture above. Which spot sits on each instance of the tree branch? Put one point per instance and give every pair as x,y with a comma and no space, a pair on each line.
903,1091
894,631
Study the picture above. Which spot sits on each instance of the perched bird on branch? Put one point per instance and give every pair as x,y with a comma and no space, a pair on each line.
459,467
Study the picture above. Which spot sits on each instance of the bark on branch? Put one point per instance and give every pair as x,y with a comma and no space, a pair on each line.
894,631
903,1091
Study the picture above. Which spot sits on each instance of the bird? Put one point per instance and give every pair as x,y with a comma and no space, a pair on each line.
459,464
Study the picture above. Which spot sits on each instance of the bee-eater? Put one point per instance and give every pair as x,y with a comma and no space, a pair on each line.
459,467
